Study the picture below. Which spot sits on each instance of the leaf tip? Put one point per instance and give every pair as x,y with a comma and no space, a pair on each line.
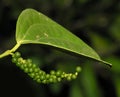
107,63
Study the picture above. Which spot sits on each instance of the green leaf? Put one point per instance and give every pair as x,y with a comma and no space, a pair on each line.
34,27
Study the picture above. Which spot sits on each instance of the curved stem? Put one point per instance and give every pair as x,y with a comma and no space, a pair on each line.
8,52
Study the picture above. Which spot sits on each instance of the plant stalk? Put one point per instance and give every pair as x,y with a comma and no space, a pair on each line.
8,52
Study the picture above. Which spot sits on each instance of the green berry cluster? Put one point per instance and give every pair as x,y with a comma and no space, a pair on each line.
39,75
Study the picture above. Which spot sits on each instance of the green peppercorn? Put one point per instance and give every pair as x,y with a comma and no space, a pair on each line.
26,70
42,77
14,60
69,78
18,64
31,75
50,80
29,61
34,66
59,79
38,80
44,82
17,55
29,65
47,76
43,72
73,76
36,69
25,65
58,73
52,72
39,75
22,66
30,69
20,60
78,69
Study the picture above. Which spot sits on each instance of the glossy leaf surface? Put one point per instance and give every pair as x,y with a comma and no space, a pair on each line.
34,27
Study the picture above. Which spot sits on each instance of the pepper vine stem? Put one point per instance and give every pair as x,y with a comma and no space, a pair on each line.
8,52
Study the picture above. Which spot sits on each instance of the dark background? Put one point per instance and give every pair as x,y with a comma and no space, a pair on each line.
96,22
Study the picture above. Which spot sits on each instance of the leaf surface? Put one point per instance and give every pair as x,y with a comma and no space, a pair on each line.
34,27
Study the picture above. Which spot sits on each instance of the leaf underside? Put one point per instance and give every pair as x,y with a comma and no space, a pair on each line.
34,27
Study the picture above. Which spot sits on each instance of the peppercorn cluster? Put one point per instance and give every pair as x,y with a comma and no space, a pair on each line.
39,75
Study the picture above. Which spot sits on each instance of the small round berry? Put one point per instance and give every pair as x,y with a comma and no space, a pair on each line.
38,80
26,70
37,77
17,54
18,64
36,70
58,73
20,60
76,73
52,72
42,72
73,76
29,65
33,66
32,75
53,76
30,70
69,78
42,77
51,80
22,66
62,75
14,60
47,76
59,79
78,69
29,61
25,65
44,82
36,74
